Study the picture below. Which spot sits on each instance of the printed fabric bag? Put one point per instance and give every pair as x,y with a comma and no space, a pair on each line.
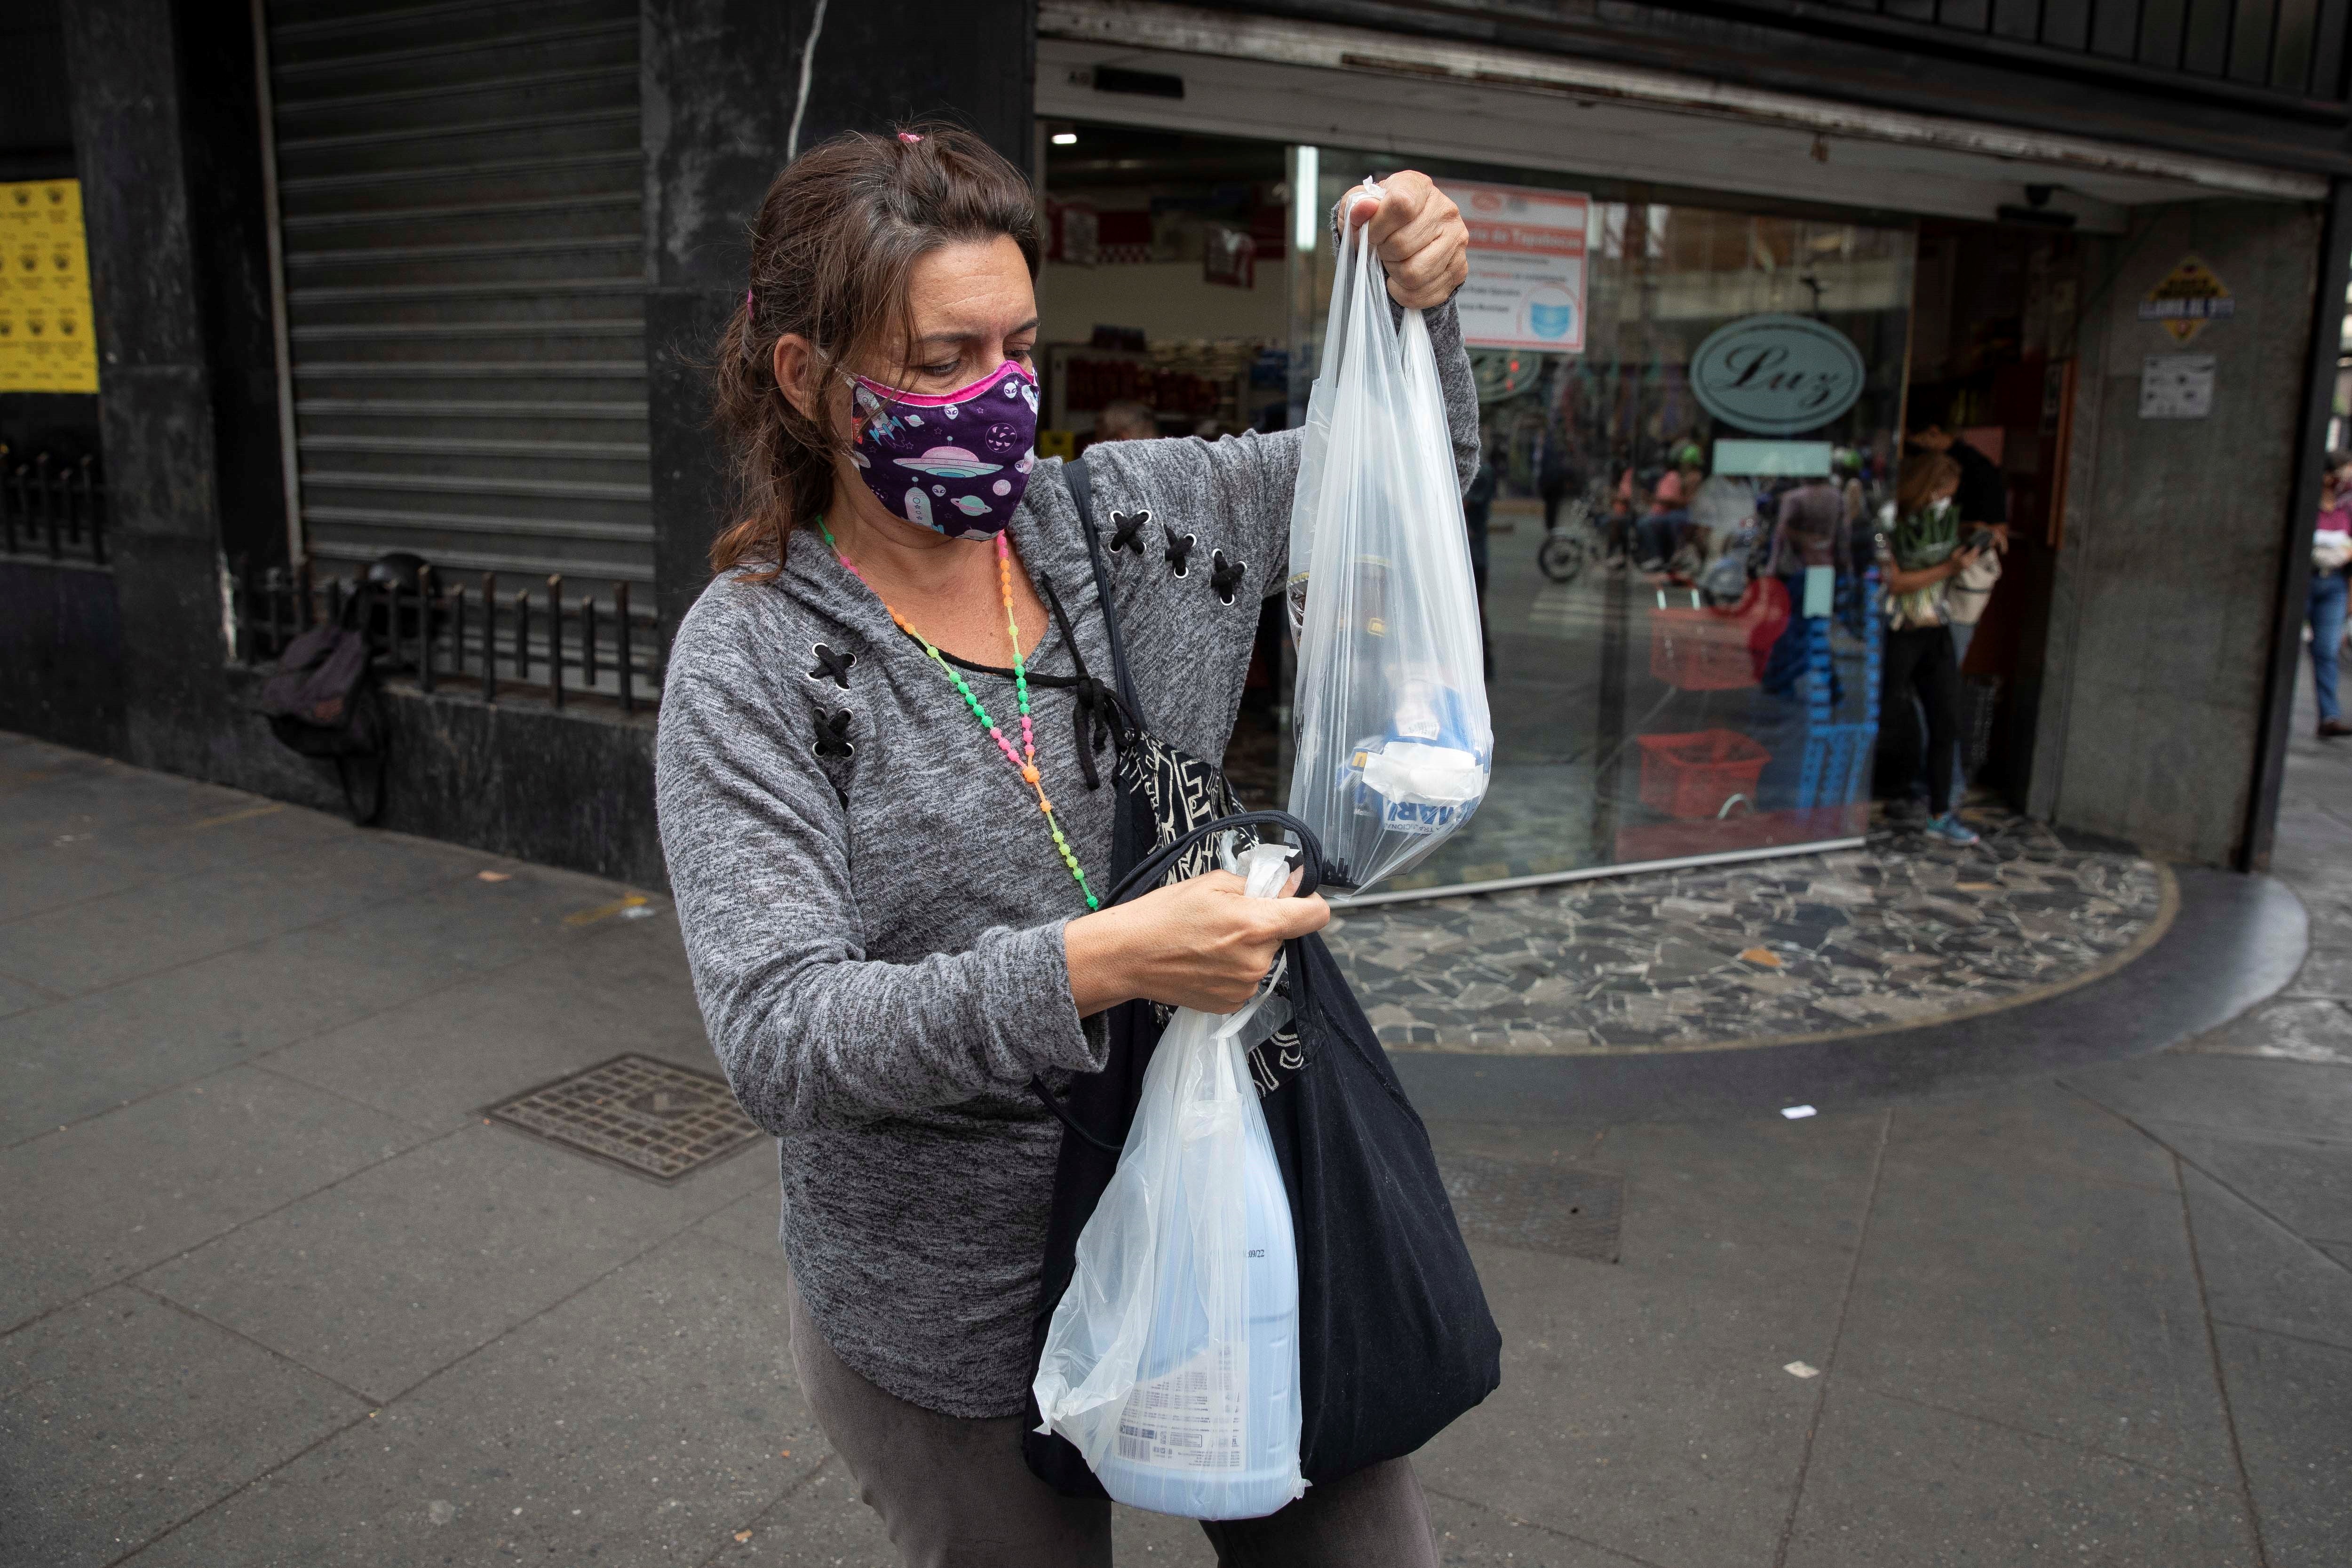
1394,739
1395,1338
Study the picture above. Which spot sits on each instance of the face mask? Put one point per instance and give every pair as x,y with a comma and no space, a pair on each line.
957,463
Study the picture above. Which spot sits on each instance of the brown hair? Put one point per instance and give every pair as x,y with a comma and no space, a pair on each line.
835,242
1922,474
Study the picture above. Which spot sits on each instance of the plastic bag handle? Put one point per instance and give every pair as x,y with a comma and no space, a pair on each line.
1152,866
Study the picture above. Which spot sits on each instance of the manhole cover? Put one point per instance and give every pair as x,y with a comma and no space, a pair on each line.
1546,1208
649,1116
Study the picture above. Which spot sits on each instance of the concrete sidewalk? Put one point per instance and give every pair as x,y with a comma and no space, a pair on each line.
278,1292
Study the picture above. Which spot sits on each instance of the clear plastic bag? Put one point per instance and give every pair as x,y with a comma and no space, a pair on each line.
1172,1362
1394,744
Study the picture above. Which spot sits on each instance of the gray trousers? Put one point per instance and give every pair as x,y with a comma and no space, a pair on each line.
956,1494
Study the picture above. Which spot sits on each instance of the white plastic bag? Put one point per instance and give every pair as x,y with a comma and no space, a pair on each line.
1395,741
1172,1359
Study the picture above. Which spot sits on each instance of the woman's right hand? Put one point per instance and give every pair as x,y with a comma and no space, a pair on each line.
1202,943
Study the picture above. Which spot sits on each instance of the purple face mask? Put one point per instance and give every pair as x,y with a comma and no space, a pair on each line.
958,462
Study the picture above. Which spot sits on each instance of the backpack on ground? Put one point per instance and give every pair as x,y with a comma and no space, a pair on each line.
324,702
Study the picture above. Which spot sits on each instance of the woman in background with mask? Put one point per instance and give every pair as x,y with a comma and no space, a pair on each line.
889,835
1919,558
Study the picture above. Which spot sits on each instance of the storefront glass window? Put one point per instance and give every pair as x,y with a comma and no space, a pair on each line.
1677,550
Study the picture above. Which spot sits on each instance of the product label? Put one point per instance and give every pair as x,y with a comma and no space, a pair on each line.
1417,817
1190,1419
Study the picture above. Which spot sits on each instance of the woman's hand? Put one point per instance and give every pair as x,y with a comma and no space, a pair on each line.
1420,234
1201,943
1961,561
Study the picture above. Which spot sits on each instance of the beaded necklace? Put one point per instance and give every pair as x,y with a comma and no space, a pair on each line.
1024,761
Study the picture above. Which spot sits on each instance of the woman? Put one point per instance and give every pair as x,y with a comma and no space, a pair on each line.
1919,558
2331,550
886,828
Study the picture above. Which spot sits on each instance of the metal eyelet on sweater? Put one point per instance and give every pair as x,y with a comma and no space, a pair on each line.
833,735
1224,575
1179,547
1126,530
831,666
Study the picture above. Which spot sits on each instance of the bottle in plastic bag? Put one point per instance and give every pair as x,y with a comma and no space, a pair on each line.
1172,1362
1395,741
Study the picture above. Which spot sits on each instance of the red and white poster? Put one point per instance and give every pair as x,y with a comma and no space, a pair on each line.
1526,288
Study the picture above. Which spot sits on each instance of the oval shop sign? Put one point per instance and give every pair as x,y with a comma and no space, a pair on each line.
1777,375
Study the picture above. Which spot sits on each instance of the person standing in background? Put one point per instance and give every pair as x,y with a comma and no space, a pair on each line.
1919,557
1555,475
2331,552
1126,420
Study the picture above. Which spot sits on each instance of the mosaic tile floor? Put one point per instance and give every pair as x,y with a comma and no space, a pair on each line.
1899,933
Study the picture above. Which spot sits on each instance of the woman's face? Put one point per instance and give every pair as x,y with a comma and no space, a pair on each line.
971,307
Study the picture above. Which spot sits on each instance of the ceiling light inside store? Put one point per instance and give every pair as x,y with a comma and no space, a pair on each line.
1066,138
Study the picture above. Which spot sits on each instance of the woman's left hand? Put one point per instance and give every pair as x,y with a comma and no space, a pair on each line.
1420,234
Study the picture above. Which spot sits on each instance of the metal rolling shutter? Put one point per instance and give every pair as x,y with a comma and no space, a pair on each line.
461,199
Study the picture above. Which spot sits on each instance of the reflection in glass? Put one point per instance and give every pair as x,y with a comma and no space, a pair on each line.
1680,606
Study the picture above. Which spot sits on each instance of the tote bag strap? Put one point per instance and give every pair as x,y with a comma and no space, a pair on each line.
1152,866
1147,871
1081,481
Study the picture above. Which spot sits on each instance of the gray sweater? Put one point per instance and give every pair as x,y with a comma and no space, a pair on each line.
875,923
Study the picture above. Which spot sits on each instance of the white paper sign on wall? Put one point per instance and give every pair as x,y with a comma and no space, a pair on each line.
1525,288
2175,386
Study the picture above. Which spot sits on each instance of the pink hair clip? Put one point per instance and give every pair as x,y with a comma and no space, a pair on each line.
908,136
746,301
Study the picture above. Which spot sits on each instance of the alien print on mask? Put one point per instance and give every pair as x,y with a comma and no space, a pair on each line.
958,462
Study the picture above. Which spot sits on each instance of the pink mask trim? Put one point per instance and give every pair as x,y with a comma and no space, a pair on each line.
961,394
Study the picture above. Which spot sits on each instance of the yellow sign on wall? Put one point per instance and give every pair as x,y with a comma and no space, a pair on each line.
46,342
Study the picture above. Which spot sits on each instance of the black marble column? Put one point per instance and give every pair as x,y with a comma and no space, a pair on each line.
720,86
171,202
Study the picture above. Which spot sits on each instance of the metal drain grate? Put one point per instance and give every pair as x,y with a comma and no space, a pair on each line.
648,1116
1546,1208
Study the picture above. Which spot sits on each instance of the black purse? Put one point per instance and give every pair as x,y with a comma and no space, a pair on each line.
1395,1336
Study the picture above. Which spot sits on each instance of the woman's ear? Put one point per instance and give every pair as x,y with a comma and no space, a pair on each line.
795,366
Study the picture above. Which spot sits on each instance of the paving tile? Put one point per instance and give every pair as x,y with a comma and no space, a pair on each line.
2293,1405
120,1416
2290,1028
2225,1093
2305,1184
1156,1538
1993,1286
1730,954
385,1279
751,1222
585,996
1643,1407
1470,1534
1892,1482
123,1191
2259,1274
146,929
16,995
644,1420
2041,1127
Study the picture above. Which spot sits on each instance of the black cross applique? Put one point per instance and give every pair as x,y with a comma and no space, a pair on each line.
1180,546
1224,575
1127,532
833,735
831,665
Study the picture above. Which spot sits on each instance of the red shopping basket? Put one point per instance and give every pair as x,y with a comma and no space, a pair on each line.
1699,774
1701,649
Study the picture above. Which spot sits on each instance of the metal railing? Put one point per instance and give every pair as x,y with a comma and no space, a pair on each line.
482,639
51,509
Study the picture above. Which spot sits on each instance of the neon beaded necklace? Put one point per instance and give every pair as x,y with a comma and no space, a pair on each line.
1024,761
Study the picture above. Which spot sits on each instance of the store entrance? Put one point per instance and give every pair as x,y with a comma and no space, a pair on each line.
1993,368
1164,310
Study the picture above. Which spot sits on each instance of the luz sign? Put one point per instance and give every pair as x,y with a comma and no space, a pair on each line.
1777,375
